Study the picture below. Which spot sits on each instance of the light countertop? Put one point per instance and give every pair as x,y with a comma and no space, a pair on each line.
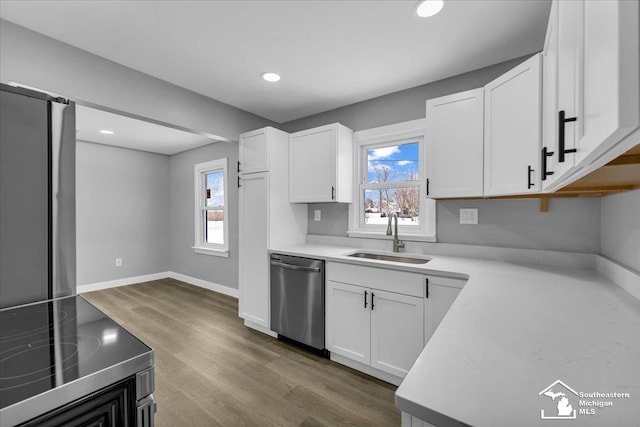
513,331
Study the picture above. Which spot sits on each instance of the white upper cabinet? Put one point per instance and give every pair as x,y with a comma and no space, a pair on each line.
454,144
321,165
591,100
512,131
254,151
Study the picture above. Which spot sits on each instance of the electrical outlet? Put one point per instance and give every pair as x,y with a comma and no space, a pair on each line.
469,216
118,262
317,215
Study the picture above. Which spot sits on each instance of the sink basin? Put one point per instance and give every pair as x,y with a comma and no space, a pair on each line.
392,258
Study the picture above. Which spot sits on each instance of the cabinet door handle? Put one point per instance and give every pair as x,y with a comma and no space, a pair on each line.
427,286
372,304
561,121
427,186
333,192
239,185
238,166
529,183
543,172
365,299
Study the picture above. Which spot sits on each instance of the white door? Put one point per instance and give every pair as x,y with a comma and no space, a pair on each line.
348,321
442,293
396,331
312,165
610,75
454,144
550,93
512,131
253,243
569,91
254,151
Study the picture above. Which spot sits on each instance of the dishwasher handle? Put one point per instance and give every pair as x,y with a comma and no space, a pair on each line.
294,267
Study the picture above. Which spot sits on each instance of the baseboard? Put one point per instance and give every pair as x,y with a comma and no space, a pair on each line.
259,328
381,375
226,290
625,277
121,282
157,276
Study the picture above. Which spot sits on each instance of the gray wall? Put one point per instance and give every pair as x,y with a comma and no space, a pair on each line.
571,225
401,106
121,212
621,228
223,271
35,60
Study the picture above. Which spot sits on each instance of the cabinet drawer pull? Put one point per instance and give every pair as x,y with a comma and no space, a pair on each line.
239,185
529,183
561,121
427,286
365,299
427,186
238,166
372,304
543,173
333,192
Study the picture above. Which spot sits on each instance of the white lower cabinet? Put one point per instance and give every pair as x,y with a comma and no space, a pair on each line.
348,321
441,292
375,327
396,335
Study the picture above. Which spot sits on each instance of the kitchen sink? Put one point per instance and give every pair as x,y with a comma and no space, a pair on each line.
392,258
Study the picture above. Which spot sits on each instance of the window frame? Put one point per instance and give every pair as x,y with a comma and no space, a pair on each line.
200,246
395,134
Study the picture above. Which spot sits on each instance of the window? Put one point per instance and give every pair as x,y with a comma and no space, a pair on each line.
211,225
390,179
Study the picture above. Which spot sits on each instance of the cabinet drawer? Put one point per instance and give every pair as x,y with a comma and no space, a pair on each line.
377,278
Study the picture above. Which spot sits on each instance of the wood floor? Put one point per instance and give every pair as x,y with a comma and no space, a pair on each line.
211,370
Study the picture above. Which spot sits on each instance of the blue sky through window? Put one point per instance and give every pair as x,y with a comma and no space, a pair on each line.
393,163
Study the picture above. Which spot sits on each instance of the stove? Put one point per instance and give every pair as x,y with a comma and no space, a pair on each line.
55,352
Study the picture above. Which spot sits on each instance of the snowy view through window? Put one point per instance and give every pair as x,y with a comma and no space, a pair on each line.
214,211
395,168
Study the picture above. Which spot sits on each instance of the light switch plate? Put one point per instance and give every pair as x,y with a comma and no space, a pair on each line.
469,216
317,214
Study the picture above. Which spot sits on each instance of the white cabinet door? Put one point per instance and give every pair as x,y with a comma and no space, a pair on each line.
454,145
312,166
254,151
321,165
550,60
512,131
441,294
348,321
610,75
254,241
396,331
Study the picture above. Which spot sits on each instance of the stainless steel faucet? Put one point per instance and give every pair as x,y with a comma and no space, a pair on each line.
397,243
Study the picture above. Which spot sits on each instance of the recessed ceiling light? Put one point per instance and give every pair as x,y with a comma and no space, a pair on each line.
271,77
107,132
427,8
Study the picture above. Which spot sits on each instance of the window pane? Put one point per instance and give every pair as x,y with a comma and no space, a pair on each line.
214,186
393,163
214,214
215,226
379,203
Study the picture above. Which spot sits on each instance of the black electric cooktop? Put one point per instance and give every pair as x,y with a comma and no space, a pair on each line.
54,352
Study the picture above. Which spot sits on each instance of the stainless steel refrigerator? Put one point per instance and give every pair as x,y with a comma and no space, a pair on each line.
37,197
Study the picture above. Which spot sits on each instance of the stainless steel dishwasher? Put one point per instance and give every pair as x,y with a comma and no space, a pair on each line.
297,299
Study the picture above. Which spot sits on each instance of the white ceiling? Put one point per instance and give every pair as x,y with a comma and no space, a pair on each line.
329,53
133,133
